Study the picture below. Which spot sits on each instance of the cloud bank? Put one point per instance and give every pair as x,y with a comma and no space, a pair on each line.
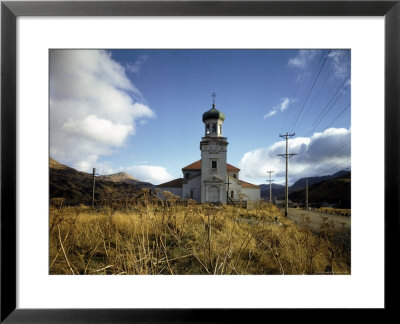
150,173
94,106
321,154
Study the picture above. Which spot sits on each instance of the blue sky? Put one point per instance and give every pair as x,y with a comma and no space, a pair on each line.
139,111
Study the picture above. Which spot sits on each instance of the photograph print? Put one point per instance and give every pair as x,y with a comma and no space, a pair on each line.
200,162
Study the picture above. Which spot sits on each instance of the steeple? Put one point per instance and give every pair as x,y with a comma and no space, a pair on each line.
213,120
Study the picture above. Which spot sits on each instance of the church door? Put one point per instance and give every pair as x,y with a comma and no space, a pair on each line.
213,194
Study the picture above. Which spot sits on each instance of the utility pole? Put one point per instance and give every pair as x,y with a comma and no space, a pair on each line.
227,192
94,180
287,156
270,186
307,194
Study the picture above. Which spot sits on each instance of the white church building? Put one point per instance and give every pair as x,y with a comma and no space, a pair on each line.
211,179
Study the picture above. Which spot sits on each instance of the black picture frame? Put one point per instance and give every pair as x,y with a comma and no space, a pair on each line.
10,10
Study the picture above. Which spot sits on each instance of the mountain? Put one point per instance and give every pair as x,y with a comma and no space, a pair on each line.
301,183
118,177
123,177
76,187
335,190
276,189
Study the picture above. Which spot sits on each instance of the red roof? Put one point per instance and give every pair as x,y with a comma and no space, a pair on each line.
248,184
176,183
197,166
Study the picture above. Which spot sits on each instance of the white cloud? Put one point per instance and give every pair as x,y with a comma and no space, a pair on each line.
285,103
302,58
282,106
94,106
271,113
321,154
99,130
341,62
150,173
137,65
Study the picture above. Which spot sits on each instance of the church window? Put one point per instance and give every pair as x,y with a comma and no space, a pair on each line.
232,194
187,175
214,128
214,164
191,194
234,175
207,129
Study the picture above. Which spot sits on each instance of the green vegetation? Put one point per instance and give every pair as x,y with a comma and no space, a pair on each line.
169,238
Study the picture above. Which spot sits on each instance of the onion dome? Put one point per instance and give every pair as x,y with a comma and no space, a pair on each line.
213,114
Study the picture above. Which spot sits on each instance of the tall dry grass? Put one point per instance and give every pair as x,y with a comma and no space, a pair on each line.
193,239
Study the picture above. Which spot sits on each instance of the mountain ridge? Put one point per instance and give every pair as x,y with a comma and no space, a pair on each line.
76,186
278,191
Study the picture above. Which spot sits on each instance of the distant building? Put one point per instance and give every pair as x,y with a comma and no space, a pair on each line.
212,179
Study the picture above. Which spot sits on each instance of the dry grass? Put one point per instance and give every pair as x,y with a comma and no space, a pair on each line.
334,211
194,239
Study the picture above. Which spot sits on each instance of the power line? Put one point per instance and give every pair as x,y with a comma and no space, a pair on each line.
335,167
309,92
315,73
317,94
328,107
297,86
337,116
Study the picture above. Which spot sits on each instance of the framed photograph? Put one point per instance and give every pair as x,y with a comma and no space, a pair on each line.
117,96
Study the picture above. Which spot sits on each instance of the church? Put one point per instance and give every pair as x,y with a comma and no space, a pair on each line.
211,179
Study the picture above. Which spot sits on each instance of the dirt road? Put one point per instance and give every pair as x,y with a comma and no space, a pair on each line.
316,218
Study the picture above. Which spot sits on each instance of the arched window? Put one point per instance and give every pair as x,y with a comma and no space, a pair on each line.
232,194
207,129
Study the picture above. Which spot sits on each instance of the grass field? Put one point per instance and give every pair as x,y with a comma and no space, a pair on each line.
194,239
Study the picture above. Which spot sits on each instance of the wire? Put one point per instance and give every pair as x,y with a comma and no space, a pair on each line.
317,94
337,116
309,92
297,87
328,107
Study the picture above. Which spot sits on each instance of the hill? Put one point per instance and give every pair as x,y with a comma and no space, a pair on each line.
118,177
278,191
76,187
301,183
335,191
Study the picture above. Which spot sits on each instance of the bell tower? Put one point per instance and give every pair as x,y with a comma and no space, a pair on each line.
213,147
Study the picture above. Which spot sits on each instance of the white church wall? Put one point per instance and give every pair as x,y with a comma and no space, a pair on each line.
191,173
251,193
192,184
236,187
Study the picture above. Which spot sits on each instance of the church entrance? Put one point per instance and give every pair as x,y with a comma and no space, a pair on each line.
213,194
